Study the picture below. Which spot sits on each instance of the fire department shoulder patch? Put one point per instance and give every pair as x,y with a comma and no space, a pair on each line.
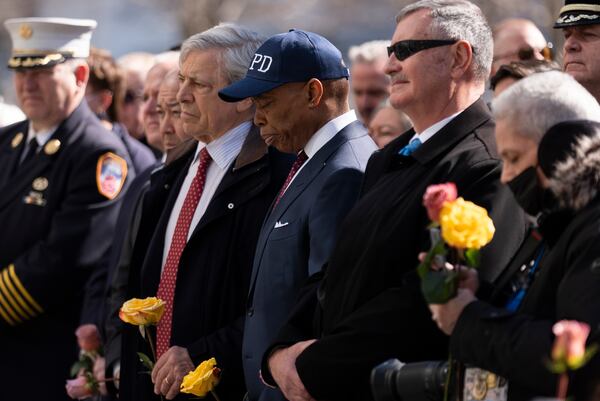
111,172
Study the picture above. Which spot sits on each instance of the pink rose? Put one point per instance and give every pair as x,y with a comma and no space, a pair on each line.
435,197
88,337
78,388
569,343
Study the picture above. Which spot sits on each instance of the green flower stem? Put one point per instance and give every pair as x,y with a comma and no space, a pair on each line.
214,394
151,342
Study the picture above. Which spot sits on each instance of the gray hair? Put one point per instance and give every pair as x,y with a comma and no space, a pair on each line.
237,43
539,101
369,52
459,20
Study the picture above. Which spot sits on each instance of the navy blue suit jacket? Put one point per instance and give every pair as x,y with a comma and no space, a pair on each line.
296,240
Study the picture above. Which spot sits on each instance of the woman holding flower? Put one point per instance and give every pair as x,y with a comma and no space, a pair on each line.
555,175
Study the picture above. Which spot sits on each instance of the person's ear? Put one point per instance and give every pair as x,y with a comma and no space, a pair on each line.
462,58
314,92
82,73
244,105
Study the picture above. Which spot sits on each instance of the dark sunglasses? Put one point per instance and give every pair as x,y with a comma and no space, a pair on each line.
406,48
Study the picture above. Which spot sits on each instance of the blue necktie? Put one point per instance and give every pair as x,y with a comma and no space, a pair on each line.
410,148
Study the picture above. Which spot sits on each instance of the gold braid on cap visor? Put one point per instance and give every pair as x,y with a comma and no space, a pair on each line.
28,62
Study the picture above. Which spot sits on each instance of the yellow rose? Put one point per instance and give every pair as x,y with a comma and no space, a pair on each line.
202,380
142,312
465,225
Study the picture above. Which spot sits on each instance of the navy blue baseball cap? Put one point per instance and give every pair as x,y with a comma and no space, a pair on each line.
295,56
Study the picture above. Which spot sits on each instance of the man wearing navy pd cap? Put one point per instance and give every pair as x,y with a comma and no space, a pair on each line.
299,84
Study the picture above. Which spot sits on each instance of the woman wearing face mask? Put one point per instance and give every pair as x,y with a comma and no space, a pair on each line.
556,178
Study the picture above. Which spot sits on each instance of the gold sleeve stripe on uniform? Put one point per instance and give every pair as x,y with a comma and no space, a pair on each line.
6,305
6,317
22,290
26,312
11,299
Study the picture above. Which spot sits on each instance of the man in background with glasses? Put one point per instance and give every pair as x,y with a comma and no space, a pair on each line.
369,306
518,39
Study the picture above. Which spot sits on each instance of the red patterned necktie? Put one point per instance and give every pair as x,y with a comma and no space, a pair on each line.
168,279
302,157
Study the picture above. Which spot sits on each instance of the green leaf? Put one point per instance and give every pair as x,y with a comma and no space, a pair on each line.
425,266
472,257
439,287
147,362
75,368
558,367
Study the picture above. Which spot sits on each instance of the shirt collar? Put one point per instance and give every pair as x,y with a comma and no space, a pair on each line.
225,149
434,129
40,136
327,132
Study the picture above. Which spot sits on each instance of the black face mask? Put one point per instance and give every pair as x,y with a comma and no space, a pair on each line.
529,193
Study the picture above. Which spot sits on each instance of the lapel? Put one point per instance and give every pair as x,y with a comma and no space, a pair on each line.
466,122
312,169
170,176
309,172
10,155
250,160
67,132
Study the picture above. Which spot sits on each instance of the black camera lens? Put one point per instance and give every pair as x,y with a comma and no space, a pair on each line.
419,381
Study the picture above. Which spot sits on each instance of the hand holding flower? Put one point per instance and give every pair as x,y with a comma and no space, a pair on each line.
446,315
459,229
79,388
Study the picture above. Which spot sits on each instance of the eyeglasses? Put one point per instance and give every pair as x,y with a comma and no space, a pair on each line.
406,48
528,53
131,96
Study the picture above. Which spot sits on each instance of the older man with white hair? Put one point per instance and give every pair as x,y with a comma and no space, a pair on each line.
369,306
201,224
369,83
548,137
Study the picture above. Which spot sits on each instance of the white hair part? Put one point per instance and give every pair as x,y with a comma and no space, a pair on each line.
238,45
369,52
459,20
539,101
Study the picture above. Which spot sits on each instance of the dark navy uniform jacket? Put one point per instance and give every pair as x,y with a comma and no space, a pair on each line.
57,215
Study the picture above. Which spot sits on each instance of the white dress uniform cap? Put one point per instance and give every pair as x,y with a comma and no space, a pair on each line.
38,42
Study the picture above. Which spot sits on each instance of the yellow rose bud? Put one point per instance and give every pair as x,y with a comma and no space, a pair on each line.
465,225
202,380
142,312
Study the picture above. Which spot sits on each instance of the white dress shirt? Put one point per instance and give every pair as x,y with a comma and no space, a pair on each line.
324,135
223,152
434,129
40,136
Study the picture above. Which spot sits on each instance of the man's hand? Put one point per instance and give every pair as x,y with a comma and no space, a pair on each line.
446,315
169,371
282,364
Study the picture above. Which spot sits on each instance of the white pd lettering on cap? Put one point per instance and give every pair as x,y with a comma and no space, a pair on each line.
264,61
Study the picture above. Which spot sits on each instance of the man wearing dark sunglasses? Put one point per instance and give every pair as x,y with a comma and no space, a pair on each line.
369,306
